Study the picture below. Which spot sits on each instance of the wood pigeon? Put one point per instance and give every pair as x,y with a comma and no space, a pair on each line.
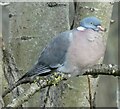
72,50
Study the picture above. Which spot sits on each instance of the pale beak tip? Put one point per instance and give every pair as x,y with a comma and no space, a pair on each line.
102,29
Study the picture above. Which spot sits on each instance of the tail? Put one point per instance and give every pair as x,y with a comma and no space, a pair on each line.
36,70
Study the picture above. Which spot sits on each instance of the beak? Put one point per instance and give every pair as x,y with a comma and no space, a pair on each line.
101,28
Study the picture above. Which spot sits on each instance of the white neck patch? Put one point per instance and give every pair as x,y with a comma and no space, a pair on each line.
80,28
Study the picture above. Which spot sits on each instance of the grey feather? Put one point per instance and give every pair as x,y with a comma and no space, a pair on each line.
52,56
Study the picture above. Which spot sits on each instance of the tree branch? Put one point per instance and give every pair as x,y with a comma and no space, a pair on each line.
55,78
41,83
102,69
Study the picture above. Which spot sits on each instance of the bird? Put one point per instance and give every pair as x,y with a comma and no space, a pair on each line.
71,51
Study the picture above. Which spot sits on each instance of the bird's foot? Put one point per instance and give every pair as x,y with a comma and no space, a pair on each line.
38,80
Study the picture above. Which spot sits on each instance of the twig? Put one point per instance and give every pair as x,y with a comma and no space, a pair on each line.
43,82
90,94
99,69
26,80
93,99
56,78
102,69
24,96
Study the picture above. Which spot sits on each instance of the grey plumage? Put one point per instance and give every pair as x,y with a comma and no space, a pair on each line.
71,51
52,56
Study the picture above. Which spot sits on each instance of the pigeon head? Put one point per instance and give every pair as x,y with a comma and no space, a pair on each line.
92,23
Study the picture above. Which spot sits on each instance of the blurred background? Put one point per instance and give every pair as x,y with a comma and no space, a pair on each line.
108,84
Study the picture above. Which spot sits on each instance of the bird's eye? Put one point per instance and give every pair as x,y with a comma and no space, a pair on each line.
91,23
